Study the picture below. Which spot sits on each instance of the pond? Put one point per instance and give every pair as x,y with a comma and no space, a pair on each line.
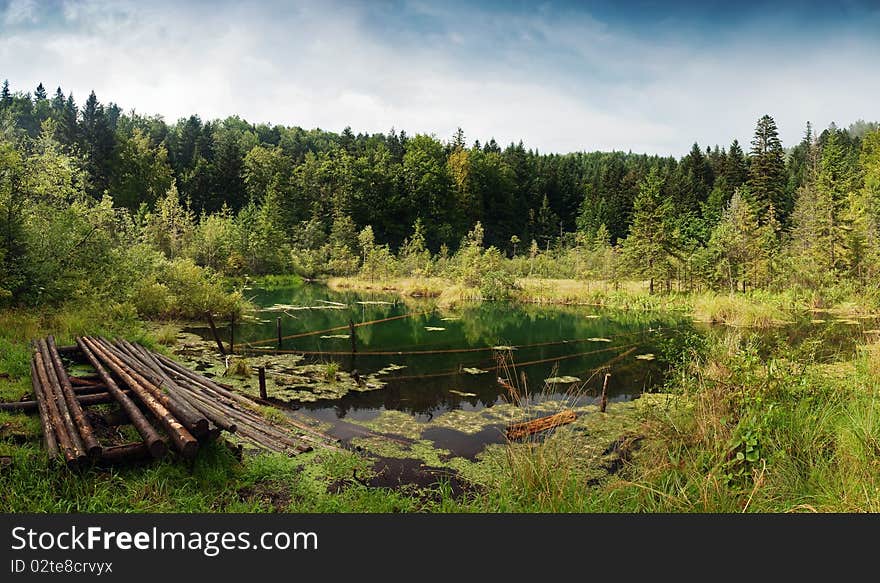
444,360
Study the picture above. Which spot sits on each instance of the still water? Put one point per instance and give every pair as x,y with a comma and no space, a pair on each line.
441,352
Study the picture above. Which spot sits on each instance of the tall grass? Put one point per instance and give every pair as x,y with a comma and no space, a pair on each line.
774,435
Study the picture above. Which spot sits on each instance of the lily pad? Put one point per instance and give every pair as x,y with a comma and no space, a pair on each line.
562,380
599,339
647,356
462,393
451,318
472,370
390,368
434,328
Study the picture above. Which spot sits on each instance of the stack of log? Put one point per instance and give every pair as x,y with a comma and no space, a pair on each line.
168,405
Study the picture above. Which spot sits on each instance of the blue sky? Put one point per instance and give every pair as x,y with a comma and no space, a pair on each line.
645,76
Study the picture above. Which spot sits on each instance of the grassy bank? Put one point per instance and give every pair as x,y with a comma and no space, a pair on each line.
737,429
757,308
776,434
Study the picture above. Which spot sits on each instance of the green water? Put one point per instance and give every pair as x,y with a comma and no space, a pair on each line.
434,347
550,341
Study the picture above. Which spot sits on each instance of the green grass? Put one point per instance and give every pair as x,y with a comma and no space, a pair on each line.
742,431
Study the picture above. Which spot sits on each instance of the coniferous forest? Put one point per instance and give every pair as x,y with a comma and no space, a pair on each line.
730,295
86,185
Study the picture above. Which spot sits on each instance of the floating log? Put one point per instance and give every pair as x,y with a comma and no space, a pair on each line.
150,436
520,430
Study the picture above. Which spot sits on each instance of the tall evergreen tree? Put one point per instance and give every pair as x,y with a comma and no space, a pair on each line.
652,245
767,178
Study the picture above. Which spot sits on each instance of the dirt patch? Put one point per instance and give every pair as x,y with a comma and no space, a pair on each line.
410,475
275,495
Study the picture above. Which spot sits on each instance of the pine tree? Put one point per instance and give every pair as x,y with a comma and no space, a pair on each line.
40,93
98,144
652,244
736,169
734,242
834,184
5,95
767,177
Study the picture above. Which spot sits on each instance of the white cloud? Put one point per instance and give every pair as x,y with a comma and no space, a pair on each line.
560,83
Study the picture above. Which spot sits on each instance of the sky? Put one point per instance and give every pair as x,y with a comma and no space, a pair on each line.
643,76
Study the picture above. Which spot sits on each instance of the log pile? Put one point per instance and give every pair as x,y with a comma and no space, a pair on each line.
168,405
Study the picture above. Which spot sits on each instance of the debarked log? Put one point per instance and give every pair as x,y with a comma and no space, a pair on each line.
520,430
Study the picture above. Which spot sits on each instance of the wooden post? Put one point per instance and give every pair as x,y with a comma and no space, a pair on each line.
604,400
278,330
261,373
351,334
232,334
216,336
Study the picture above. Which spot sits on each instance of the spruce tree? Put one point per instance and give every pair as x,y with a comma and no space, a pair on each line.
736,169
652,244
767,178
734,243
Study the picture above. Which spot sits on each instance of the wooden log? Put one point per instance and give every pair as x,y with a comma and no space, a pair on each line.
215,335
90,389
68,350
191,419
89,441
603,400
40,405
182,439
199,384
55,421
83,400
125,453
204,381
76,440
150,436
520,430
85,381
215,413
261,374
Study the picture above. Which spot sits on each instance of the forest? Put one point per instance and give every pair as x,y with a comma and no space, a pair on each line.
118,206
122,225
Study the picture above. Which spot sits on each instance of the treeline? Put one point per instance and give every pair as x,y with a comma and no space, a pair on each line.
243,198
